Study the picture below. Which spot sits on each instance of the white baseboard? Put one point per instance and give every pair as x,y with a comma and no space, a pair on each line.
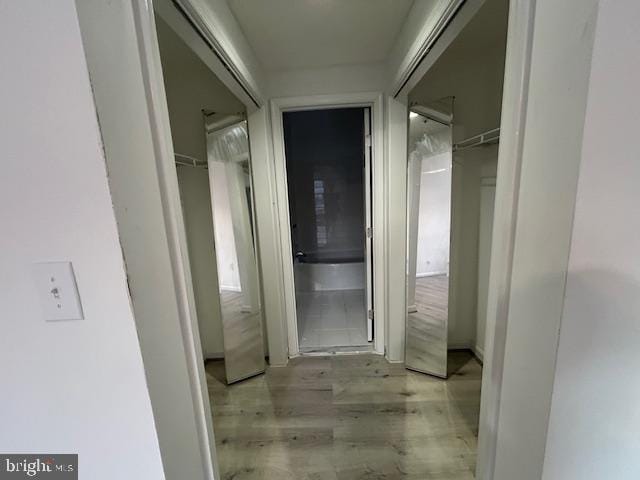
412,309
230,288
430,274
478,352
393,361
214,355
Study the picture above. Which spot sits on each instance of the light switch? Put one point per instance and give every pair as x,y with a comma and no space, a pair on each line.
58,292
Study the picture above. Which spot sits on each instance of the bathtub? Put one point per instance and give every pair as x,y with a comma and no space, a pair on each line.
322,276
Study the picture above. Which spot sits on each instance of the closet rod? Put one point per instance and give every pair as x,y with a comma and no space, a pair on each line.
189,161
490,136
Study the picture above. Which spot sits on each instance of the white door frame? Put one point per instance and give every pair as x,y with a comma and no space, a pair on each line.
512,132
163,144
368,222
372,100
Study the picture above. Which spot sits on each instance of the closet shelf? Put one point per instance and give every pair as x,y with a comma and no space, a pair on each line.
189,161
488,137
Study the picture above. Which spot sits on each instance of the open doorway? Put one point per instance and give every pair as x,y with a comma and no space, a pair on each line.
328,169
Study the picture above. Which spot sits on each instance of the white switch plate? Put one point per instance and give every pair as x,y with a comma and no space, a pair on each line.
58,291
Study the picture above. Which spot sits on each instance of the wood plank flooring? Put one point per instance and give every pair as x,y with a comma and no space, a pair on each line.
350,417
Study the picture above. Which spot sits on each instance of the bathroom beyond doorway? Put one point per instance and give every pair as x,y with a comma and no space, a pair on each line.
327,155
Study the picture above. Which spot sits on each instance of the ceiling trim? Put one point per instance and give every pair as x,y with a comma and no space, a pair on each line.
429,35
217,41
461,19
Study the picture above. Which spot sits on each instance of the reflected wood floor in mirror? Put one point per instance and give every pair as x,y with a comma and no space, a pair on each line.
350,417
427,327
243,343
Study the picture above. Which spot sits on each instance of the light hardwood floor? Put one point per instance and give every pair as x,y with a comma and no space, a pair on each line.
347,418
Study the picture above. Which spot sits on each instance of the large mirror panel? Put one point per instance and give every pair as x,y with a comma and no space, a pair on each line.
428,239
233,224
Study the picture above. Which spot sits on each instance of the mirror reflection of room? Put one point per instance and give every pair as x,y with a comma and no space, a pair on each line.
231,203
429,224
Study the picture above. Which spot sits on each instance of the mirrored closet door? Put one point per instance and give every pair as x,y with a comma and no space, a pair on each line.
429,189
233,224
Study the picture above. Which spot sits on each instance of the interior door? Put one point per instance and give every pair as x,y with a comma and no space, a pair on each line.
233,224
368,223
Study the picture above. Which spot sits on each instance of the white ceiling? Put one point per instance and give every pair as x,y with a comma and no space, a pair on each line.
293,34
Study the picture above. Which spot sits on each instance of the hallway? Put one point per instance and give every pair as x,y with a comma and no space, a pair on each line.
347,417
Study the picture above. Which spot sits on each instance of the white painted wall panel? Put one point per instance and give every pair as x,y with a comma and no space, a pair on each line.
396,126
487,200
557,96
196,206
594,421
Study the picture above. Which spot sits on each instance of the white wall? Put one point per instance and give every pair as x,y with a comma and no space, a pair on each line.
434,218
594,424
465,213
196,207
228,271
191,86
338,79
241,213
79,386
414,174
485,227
469,169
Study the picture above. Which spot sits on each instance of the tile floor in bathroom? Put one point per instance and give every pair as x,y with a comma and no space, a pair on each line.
331,318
